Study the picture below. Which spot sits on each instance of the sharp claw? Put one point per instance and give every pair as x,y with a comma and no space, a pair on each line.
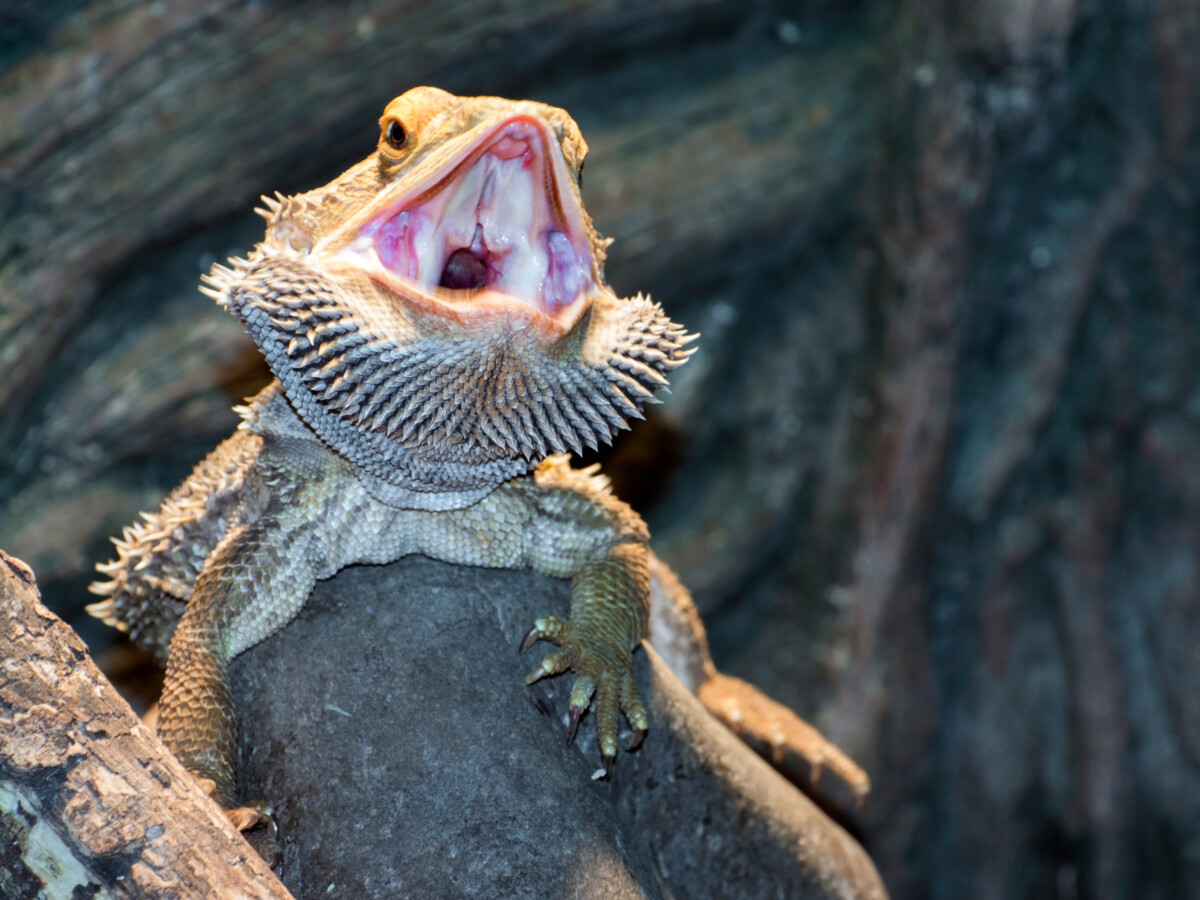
635,740
536,675
778,752
608,764
531,638
573,727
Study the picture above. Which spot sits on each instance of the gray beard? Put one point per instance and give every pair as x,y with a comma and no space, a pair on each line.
436,419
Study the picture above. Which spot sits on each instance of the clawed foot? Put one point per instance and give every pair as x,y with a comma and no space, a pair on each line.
603,671
256,822
749,712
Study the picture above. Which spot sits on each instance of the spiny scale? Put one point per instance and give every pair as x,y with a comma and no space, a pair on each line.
274,205
390,398
387,407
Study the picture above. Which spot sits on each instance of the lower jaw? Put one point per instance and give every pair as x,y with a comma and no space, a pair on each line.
486,310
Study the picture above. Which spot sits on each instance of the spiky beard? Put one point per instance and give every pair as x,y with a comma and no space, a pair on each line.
435,414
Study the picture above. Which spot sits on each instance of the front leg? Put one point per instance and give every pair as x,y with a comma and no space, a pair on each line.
609,613
581,531
256,579
564,523
296,503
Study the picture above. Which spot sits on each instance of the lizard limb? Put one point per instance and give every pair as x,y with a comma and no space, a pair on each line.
437,321
608,619
564,523
678,635
196,719
253,583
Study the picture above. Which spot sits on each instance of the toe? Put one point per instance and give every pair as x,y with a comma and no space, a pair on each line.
581,698
550,628
607,717
635,711
581,692
556,662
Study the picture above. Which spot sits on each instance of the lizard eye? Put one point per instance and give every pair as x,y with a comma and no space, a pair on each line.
397,137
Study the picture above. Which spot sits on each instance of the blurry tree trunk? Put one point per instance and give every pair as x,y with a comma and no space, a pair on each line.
932,475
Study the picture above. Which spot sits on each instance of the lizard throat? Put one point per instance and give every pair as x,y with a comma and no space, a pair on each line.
492,237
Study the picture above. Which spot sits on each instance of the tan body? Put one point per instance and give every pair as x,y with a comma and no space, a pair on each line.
439,324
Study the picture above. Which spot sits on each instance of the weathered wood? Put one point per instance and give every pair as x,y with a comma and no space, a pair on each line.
91,802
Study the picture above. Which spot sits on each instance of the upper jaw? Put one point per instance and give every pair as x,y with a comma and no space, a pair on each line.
494,232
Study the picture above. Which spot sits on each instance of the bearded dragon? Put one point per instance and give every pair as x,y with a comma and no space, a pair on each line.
441,334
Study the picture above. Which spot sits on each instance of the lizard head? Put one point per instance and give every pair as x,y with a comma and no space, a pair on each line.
438,314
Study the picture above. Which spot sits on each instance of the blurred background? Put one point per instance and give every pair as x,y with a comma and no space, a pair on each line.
934,475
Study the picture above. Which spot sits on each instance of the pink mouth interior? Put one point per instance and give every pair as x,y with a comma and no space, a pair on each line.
491,226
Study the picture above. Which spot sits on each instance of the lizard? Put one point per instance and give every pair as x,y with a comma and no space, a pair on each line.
441,336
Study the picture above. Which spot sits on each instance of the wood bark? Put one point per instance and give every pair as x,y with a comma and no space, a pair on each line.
91,802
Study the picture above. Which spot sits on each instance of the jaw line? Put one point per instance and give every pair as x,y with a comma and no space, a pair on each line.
485,310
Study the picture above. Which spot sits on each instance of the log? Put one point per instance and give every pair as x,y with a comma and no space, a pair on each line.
389,726
90,800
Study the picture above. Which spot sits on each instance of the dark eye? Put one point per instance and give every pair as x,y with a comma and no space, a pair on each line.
397,137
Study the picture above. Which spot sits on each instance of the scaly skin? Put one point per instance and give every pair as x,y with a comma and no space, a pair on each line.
299,496
439,326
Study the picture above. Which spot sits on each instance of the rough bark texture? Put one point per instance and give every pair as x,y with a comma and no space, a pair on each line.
390,727
91,803
932,474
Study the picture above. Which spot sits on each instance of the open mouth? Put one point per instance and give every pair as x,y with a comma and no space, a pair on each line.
494,231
